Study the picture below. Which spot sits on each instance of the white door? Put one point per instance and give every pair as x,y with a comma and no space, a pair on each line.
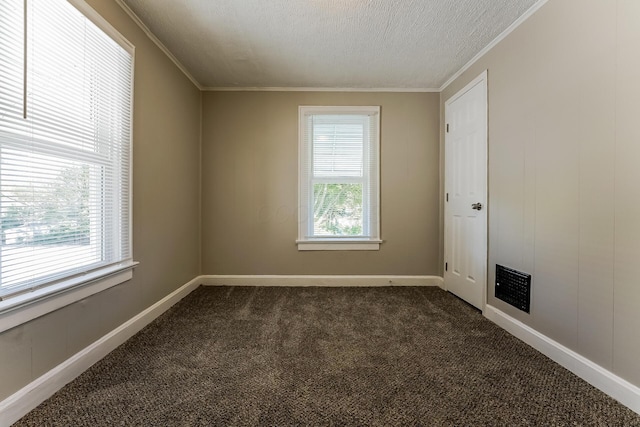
465,223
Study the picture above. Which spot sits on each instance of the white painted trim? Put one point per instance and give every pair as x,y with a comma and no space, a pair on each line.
91,14
157,42
599,377
319,89
310,245
370,181
24,307
363,110
483,77
533,9
26,399
325,281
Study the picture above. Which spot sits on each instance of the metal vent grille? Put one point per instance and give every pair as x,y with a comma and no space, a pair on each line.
513,287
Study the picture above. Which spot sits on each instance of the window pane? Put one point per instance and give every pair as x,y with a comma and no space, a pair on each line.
337,209
74,83
338,144
51,214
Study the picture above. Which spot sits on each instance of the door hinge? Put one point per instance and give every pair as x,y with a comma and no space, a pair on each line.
447,197
447,127
446,266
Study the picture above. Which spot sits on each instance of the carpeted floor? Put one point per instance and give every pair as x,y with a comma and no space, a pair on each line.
327,356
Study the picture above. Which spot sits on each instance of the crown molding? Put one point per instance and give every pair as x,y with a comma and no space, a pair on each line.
158,43
317,89
533,9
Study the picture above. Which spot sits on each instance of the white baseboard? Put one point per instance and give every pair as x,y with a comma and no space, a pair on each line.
26,399
611,384
328,281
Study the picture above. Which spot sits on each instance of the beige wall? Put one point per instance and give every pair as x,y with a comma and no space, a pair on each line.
250,184
564,145
165,217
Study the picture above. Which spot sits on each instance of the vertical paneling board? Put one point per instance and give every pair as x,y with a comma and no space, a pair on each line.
557,176
595,133
511,156
626,342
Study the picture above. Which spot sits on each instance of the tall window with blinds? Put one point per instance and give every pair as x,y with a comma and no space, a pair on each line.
65,132
339,178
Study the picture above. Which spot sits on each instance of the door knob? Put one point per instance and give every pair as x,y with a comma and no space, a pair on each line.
476,206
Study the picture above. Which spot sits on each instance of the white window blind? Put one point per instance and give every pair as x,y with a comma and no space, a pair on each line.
339,169
65,131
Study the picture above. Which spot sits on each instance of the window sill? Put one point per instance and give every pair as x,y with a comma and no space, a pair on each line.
30,305
338,245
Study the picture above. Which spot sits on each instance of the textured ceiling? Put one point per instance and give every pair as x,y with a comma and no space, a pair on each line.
413,44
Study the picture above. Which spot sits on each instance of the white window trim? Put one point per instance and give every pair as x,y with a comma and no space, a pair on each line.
22,308
306,243
333,245
19,309
91,14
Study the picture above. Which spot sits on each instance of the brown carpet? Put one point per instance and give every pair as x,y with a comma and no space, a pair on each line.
327,356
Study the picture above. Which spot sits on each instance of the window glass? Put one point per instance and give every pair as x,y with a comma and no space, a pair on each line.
65,128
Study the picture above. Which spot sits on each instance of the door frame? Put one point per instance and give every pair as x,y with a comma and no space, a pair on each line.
480,79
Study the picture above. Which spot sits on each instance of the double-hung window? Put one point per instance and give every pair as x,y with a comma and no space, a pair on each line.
65,131
339,178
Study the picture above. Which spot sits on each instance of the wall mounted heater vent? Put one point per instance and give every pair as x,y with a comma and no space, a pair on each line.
513,287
